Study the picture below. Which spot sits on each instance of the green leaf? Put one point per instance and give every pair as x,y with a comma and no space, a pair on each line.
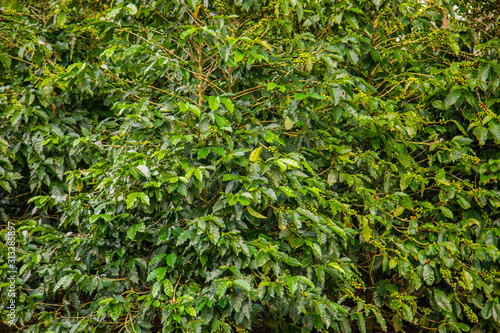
481,134
380,319
405,181
495,130
61,18
271,85
255,213
243,285
351,19
367,232
171,258
262,258
64,282
238,56
428,274
222,287
288,192
214,102
132,9
190,310
228,104
222,122
158,273
168,288
292,283
397,322
225,51
144,170
468,280
447,212
219,151
156,259
463,202
290,162
132,230
308,213
202,153
255,154
5,60
442,300
194,109
131,198
305,280
453,96
187,33
115,311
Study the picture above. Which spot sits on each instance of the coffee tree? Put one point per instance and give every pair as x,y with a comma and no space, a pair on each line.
250,166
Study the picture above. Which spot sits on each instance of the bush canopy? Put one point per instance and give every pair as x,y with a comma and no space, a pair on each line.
250,166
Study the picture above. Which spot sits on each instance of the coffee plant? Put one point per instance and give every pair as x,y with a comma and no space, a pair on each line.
250,166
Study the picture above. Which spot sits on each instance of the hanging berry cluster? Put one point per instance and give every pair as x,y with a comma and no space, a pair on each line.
416,177
460,78
223,7
468,66
8,14
486,111
350,294
490,275
355,284
270,7
437,38
470,314
470,159
312,208
14,101
259,29
304,58
465,241
445,273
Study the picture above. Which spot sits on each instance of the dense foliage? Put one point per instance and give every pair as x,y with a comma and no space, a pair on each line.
249,165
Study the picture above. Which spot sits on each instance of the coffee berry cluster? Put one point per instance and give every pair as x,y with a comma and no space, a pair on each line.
379,245
416,177
271,5
470,159
8,13
445,272
470,314
426,311
326,96
468,65
486,111
486,218
490,275
282,208
437,38
361,95
465,241
349,293
418,210
259,29
328,147
312,208
355,284
304,58
271,149
223,7
460,78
